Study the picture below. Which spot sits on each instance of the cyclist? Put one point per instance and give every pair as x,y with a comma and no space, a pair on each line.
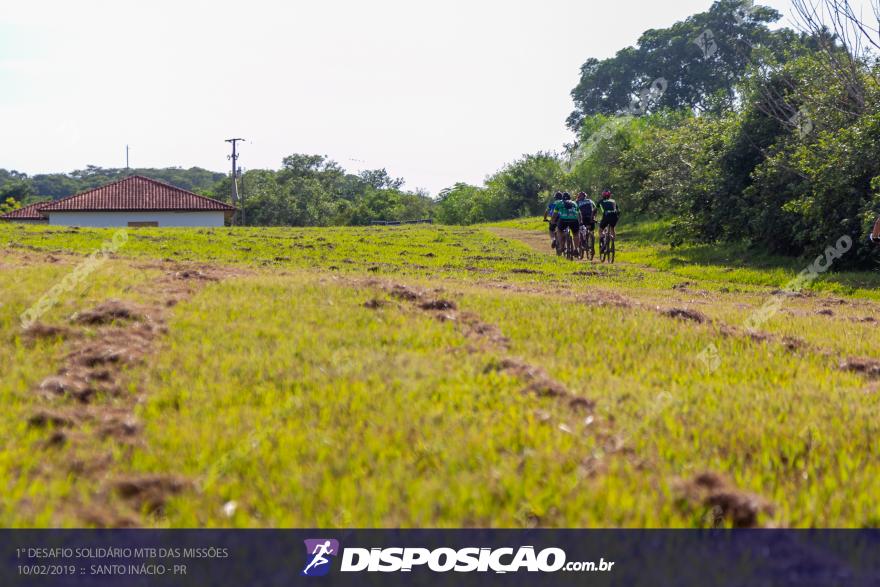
551,207
588,211
566,216
610,214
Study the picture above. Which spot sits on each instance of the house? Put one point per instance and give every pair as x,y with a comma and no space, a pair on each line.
28,214
133,201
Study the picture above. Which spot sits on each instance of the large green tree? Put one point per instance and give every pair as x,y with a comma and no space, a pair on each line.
694,64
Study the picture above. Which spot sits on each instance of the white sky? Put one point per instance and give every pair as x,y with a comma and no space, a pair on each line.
436,92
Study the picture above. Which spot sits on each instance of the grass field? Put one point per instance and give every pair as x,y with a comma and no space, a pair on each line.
430,376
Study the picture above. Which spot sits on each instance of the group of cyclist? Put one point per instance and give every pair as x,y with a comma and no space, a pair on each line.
564,214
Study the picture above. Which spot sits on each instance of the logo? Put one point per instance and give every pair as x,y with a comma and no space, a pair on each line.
318,553
463,560
706,43
647,98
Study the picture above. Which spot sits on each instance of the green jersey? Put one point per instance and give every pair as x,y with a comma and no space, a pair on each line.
567,210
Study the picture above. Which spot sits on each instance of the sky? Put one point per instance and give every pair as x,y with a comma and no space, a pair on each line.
435,92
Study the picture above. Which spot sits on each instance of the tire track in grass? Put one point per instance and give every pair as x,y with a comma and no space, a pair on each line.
600,298
724,501
487,336
866,367
88,403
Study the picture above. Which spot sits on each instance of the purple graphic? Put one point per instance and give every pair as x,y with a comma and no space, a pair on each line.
318,554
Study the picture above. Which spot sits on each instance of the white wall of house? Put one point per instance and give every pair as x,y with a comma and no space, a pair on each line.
111,219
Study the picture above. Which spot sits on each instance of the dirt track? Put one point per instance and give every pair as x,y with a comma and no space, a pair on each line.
537,239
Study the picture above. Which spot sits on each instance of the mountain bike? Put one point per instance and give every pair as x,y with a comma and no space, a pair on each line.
587,243
565,244
606,246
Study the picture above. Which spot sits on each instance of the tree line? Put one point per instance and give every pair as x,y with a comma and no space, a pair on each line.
308,190
313,190
51,186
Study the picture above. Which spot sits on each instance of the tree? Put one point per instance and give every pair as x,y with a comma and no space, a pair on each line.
466,204
312,190
524,186
700,61
18,190
9,205
379,179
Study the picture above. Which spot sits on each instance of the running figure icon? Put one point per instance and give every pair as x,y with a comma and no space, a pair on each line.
319,555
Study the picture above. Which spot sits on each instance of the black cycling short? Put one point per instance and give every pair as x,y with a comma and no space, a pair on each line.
609,220
552,227
572,224
591,226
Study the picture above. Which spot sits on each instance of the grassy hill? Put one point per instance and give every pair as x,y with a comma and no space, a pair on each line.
429,376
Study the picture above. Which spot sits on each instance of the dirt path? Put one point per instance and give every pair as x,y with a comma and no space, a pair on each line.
539,240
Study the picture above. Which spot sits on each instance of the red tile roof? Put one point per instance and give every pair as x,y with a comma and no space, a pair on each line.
29,212
136,193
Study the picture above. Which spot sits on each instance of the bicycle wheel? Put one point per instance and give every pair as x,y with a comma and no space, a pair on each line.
582,242
611,251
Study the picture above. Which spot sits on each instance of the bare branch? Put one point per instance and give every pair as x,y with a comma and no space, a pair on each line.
844,50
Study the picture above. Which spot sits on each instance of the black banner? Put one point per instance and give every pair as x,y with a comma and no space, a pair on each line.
439,557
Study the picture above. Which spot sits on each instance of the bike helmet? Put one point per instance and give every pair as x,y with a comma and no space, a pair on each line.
582,195
557,196
606,194
566,196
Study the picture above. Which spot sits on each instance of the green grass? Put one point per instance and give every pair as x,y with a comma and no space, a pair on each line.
349,416
734,263
419,251
277,389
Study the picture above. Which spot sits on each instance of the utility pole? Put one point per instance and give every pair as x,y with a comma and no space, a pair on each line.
234,158
241,196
